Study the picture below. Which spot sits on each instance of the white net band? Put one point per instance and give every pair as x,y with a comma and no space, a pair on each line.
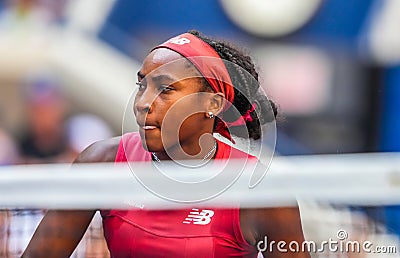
366,179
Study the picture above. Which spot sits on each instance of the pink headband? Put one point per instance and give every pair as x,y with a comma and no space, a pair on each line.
212,69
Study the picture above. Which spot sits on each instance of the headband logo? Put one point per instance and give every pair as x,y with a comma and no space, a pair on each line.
179,41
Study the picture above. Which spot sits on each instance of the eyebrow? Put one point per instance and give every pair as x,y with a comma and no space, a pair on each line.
163,77
156,77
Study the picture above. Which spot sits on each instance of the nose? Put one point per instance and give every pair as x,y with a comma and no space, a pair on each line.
144,102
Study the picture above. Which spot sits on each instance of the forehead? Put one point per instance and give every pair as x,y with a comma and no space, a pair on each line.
166,61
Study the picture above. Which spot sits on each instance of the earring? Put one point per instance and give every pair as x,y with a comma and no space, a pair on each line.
210,114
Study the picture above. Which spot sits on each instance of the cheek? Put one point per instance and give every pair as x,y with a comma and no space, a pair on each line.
181,129
181,112
180,125
191,124
180,119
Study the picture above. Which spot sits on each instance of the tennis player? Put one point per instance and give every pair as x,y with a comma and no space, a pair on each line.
169,83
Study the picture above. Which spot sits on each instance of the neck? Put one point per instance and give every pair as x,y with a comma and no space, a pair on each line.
203,148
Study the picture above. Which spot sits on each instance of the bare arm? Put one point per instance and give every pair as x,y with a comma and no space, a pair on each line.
60,231
282,224
264,228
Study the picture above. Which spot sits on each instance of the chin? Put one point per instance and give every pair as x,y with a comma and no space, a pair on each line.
151,144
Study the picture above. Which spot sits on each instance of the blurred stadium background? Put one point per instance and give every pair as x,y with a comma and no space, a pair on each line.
68,67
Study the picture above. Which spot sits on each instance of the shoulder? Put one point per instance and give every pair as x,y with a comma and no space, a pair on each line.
226,150
101,151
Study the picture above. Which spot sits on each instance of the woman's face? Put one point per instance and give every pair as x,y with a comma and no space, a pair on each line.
168,106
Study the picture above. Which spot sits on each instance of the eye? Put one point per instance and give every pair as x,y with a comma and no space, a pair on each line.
165,88
141,86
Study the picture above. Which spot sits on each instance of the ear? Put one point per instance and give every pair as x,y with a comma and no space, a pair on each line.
216,103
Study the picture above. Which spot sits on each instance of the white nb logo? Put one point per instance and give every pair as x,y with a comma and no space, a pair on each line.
179,41
197,217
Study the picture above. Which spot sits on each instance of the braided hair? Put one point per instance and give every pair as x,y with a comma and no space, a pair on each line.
246,88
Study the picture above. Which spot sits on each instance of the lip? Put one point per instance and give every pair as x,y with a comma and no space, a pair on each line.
149,127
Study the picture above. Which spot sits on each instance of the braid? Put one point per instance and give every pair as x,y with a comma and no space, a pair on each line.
246,87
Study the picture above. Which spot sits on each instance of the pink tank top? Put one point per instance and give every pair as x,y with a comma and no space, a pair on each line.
197,232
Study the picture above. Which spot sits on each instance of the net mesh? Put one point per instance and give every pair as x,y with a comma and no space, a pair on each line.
334,226
321,222
18,226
